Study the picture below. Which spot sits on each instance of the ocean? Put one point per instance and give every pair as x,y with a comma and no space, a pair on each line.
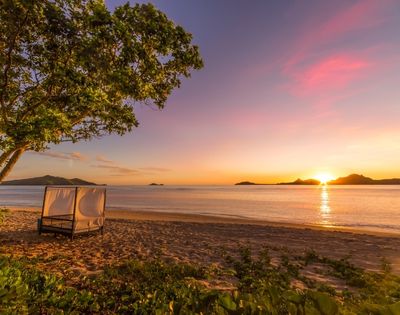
368,208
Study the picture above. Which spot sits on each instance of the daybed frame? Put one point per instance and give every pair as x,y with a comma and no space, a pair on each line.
65,224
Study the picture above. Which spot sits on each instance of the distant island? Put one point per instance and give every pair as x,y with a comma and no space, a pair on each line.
48,180
296,182
303,182
155,184
353,179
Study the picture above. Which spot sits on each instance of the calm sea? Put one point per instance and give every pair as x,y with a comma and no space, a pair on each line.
374,208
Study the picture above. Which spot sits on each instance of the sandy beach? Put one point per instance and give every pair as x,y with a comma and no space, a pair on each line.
184,238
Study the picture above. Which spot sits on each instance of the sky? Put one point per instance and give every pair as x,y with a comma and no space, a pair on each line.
289,89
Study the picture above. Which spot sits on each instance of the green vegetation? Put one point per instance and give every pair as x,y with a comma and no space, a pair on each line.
71,70
156,287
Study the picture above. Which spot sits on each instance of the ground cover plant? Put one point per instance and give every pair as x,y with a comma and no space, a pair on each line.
158,287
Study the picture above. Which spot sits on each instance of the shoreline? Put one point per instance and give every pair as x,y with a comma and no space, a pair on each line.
214,219
202,240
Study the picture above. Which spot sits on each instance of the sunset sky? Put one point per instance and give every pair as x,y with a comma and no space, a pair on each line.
289,89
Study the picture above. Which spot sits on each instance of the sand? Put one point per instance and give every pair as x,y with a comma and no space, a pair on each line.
185,238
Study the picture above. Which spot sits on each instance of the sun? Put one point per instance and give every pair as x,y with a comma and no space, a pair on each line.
324,177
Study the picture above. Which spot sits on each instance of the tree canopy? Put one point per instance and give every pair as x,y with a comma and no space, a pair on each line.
71,70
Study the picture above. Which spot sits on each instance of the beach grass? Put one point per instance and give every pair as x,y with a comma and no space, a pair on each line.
157,287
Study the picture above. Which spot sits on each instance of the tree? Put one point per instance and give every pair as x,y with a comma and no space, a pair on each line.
71,70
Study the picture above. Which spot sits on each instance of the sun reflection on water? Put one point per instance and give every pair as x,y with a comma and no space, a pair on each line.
325,209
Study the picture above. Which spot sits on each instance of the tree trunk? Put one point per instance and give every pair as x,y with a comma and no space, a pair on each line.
4,156
10,164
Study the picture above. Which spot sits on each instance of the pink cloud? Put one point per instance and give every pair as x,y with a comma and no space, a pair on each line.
322,68
331,73
324,32
362,15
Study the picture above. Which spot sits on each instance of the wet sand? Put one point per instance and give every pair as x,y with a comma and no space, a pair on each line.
185,238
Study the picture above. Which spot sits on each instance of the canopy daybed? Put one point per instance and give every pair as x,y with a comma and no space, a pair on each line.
72,210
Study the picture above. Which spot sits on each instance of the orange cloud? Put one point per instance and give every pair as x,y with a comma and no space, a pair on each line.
78,156
75,156
117,169
155,169
103,159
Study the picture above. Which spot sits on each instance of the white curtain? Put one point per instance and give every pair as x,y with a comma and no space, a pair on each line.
59,201
89,208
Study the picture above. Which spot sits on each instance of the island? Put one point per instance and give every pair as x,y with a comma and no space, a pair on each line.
155,184
355,179
48,180
249,183
303,182
352,179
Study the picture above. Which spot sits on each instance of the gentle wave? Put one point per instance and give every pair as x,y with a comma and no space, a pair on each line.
375,208
394,228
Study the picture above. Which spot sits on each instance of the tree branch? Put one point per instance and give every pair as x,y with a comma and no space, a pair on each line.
11,162
4,156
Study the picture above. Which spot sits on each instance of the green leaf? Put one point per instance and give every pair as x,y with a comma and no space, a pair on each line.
293,297
394,308
292,309
324,303
226,301
273,293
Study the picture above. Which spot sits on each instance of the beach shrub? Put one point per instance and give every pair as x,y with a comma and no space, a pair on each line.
157,287
372,292
26,290
267,288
